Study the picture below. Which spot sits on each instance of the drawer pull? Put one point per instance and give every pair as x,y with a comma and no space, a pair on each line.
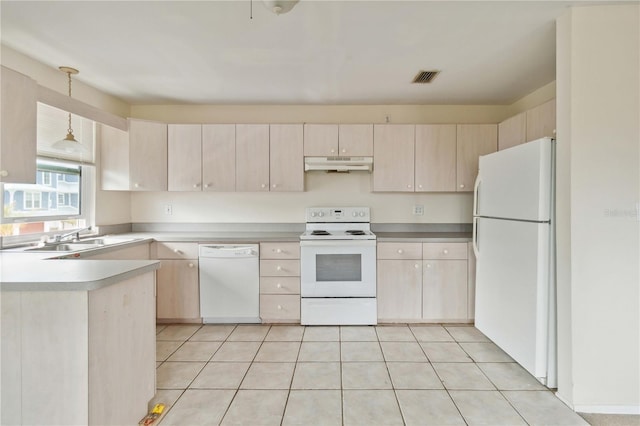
278,268
196,185
416,266
177,251
428,265
278,285
278,250
400,251
279,307
445,251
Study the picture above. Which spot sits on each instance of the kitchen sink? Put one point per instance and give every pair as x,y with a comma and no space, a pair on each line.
82,244
63,247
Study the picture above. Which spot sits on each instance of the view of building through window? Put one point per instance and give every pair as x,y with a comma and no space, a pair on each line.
46,206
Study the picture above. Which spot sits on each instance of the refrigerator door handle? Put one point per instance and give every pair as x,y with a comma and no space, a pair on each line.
476,186
474,238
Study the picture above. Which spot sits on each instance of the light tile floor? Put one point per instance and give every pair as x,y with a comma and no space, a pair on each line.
384,375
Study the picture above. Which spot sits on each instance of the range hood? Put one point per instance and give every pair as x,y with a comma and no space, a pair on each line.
338,164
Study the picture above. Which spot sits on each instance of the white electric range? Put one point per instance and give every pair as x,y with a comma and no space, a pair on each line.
338,267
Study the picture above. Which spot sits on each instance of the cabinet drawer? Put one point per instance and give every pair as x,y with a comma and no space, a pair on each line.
279,307
280,250
399,251
279,285
444,251
279,268
169,250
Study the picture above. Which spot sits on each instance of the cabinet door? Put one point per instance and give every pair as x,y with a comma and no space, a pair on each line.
185,157
252,157
541,121
147,155
444,290
399,289
286,157
320,140
473,140
114,159
219,157
356,139
393,157
435,160
178,290
18,130
512,131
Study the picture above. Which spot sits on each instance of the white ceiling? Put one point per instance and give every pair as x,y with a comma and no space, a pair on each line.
322,52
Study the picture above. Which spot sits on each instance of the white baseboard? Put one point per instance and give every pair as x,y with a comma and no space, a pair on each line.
608,409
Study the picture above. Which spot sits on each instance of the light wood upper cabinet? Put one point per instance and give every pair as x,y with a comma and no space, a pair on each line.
18,130
393,157
473,140
286,157
252,157
134,161
184,157
355,140
541,121
435,158
147,155
512,131
320,140
218,157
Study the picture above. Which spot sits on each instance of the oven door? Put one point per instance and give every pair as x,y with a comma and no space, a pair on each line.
338,268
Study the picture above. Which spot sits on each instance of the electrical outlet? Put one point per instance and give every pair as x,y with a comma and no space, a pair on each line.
418,210
168,209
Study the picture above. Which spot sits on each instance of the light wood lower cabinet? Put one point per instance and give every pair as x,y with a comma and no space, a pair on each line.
178,282
444,290
280,282
425,282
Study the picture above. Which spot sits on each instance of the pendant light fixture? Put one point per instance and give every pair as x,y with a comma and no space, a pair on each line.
69,144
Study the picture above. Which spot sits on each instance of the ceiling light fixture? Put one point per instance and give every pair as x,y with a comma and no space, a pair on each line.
69,143
279,6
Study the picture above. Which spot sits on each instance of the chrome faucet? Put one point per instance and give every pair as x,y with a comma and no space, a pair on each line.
62,237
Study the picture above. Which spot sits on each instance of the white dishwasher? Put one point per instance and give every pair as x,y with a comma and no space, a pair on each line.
229,283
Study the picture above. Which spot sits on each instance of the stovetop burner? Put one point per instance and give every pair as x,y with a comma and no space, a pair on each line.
355,232
320,232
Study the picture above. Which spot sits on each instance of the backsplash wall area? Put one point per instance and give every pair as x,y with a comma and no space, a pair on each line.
321,189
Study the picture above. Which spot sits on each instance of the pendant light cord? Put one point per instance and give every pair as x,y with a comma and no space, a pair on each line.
70,130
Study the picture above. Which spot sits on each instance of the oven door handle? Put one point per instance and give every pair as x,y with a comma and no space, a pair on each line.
340,243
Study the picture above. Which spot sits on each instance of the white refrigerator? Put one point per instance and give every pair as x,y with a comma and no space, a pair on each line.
514,240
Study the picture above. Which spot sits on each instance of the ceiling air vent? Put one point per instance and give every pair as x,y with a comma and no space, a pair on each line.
424,77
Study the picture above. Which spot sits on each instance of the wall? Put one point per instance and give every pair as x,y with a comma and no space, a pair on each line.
598,218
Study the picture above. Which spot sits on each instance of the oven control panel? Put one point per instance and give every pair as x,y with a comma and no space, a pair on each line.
338,214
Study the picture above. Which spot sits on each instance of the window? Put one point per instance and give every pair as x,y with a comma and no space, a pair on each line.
32,200
62,199
46,178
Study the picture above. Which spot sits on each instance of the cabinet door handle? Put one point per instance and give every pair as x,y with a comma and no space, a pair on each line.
409,186
462,185
191,265
344,150
196,185
400,251
274,185
206,185
416,266
333,151
136,185
428,265
263,186
278,268
279,307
